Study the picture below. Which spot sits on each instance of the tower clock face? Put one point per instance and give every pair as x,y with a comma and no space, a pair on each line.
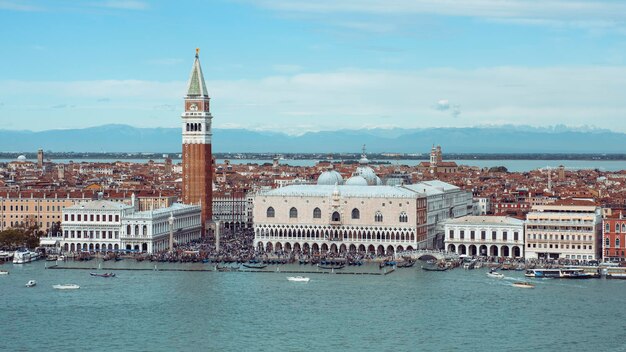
193,107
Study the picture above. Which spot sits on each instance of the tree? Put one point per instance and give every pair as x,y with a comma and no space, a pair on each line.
26,235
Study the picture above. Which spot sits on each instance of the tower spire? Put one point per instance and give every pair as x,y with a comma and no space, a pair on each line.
196,86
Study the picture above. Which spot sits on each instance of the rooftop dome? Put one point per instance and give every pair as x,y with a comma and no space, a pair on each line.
356,181
368,174
21,158
330,178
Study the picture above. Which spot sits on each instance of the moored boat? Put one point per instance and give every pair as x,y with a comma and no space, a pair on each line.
522,284
619,276
31,283
254,266
435,268
298,278
22,256
4,272
66,287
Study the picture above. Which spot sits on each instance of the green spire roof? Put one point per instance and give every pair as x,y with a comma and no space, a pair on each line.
196,86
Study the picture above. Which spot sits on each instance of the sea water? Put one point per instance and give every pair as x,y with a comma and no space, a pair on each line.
406,310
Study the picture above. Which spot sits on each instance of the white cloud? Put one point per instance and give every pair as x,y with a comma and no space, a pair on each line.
574,96
18,6
589,14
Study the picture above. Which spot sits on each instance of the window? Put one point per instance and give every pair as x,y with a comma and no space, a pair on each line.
607,227
493,235
404,217
462,234
483,235
293,213
317,213
504,235
616,227
356,214
336,216
472,235
516,236
451,234
378,217
270,212
623,227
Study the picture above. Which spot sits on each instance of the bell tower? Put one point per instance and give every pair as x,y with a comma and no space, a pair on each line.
197,157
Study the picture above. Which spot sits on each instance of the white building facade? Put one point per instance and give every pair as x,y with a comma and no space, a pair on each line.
495,236
149,231
325,218
93,226
445,201
232,209
103,226
564,231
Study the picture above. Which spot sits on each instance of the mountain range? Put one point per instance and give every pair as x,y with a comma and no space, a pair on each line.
488,139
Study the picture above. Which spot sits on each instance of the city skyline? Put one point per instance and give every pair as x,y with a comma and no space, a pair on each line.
296,67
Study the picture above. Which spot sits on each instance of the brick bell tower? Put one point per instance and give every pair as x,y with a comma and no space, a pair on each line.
197,157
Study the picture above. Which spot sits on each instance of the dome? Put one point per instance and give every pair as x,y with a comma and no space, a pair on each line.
356,181
330,178
367,173
21,158
379,182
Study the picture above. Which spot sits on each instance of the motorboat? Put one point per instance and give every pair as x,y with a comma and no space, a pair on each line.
4,272
254,265
494,274
298,278
522,284
23,255
620,276
31,283
103,275
562,273
66,287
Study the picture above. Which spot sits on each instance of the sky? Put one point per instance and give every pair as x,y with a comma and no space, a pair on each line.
298,65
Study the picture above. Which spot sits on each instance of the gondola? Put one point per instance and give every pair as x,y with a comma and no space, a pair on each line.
254,266
406,264
103,275
434,268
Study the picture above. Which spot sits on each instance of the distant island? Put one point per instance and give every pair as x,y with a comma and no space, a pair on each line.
349,157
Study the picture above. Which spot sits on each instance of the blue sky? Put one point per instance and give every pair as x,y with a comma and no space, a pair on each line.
296,65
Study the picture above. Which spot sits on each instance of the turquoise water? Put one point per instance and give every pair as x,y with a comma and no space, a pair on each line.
408,310
511,165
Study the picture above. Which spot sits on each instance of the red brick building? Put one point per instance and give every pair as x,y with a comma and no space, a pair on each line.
614,237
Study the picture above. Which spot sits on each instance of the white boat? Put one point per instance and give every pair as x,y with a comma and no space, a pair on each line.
23,255
31,283
66,287
298,278
4,272
4,255
523,285
495,275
